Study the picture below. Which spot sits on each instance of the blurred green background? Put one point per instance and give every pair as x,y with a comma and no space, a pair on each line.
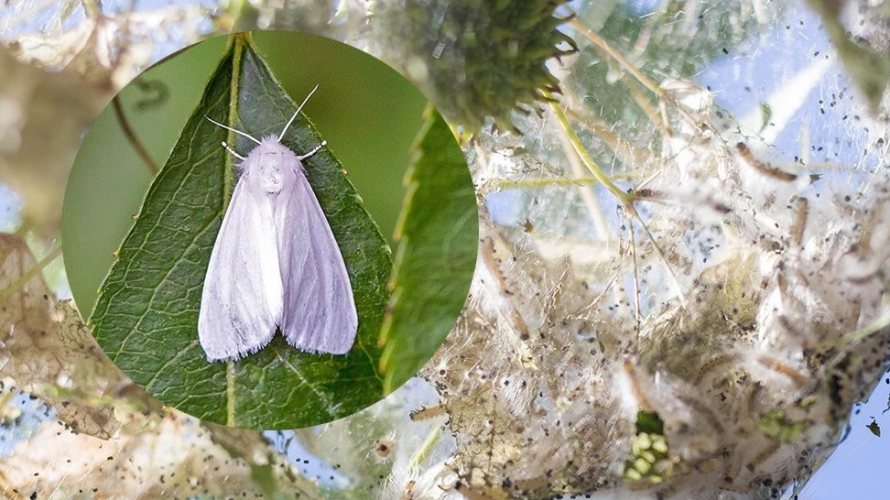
368,113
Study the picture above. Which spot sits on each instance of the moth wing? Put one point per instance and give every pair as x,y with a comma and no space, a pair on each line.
319,308
241,302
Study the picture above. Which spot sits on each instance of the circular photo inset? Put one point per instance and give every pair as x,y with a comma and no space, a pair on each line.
270,230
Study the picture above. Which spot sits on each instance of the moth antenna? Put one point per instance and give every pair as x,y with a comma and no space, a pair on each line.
313,151
295,114
245,134
232,151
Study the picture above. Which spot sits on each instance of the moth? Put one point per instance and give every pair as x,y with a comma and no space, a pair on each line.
275,264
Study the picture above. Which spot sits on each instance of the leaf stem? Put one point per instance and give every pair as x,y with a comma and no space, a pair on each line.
230,393
876,326
425,449
131,136
237,40
617,56
588,196
540,182
626,199
644,80
591,165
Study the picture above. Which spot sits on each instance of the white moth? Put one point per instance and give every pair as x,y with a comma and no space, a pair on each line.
275,263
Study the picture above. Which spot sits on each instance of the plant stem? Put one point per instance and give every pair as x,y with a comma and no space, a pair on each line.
542,182
626,199
131,136
633,70
29,274
876,326
618,57
629,153
427,446
237,40
592,167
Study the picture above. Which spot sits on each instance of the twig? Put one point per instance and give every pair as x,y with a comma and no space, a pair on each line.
541,182
425,449
630,68
633,253
626,150
626,199
29,274
131,136
591,165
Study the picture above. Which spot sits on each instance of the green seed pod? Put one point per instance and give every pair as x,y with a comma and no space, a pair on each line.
476,58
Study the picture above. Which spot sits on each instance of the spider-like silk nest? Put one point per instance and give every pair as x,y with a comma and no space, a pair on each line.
100,435
726,369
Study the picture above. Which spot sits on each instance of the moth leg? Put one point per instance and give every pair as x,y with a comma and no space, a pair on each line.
313,151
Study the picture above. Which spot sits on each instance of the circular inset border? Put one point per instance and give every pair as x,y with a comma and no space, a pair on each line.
146,314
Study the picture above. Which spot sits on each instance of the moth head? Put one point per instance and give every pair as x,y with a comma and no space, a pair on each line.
273,163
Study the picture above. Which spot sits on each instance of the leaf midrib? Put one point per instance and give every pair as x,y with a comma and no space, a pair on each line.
228,182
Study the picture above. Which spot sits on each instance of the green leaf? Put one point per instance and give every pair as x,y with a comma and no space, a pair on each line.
500,50
649,422
147,312
438,238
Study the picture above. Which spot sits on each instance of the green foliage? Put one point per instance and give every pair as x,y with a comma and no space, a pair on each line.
478,58
649,422
146,316
776,424
649,462
368,113
438,236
